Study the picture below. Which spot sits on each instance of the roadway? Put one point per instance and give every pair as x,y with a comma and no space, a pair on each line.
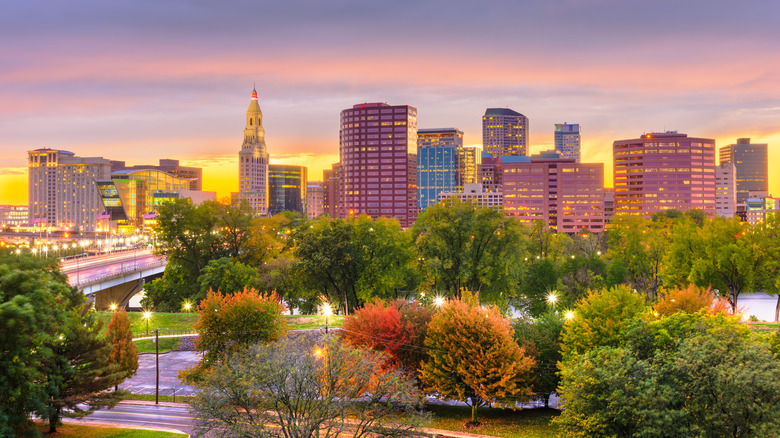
84,270
173,416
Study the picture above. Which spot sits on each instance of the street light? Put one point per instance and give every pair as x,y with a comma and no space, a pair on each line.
552,299
439,301
327,311
569,314
187,306
147,316
113,307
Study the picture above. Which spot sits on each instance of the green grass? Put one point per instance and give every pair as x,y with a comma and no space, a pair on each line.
168,323
78,431
527,423
163,398
166,345
299,322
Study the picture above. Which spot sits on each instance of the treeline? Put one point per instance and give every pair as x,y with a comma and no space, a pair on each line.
451,247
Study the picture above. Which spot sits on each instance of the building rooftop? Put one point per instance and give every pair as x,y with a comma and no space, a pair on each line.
501,112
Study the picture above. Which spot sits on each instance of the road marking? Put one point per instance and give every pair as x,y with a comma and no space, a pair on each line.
142,414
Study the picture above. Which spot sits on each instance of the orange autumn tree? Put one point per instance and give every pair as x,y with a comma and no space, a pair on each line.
124,353
229,324
474,358
691,299
396,328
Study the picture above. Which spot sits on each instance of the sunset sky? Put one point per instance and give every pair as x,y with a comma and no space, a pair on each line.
143,80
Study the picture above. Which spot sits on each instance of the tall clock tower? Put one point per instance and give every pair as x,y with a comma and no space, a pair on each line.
253,161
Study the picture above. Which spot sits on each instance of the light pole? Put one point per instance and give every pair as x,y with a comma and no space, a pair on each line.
147,316
327,311
157,364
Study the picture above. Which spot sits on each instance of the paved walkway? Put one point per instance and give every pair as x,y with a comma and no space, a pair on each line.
170,364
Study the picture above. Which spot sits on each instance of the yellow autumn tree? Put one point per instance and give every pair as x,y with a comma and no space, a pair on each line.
474,358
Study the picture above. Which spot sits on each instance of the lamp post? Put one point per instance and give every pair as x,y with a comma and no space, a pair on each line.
147,316
157,365
439,301
327,311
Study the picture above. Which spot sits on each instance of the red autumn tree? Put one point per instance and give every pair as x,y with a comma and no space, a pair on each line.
691,299
397,328
124,353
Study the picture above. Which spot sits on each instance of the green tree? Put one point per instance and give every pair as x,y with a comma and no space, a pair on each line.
474,358
30,316
688,374
599,320
298,389
124,353
228,276
80,371
350,261
232,323
539,278
541,339
638,247
461,246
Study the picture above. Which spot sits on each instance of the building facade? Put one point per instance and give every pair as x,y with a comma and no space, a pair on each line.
663,171
504,133
441,164
171,167
378,150
315,199
473,193
14,216
752,163
333,191
287,188
567,140
253,161
61,189
489,173
725,190
566,196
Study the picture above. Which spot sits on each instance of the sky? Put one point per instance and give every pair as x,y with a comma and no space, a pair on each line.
142,80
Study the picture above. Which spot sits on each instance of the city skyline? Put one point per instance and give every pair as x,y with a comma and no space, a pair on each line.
140,82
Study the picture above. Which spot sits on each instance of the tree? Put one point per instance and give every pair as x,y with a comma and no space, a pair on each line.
232,323
297,389
397,329
228,276
474,358
124,353
539,278
30,316
638,247
599,319
79,373
352,260
689,300
541,339
461,246
688,374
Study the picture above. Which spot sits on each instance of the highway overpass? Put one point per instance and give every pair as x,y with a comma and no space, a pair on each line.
113,278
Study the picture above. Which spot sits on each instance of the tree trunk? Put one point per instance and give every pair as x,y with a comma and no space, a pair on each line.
473,411
777,308
54,418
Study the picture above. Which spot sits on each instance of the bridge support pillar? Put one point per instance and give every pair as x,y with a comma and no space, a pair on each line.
119,295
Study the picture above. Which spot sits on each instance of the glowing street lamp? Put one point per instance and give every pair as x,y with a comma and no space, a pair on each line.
187,306
569,315
439,301
327,311
552,299
113,307
147,317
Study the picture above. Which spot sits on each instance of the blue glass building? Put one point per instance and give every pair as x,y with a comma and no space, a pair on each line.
443,164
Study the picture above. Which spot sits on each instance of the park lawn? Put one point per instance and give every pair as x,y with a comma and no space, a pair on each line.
526,423
302,322
79,431
166,345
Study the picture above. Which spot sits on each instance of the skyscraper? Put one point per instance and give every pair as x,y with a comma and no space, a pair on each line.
504,133
751,161
315,199
287,188
663,171
61,188
378,148
567,140
441,164
253,161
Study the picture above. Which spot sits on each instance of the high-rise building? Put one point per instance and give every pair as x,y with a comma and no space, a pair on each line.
504,133
61,189
333,191
725,190
378,148
751,161
489,173
472,158
253,161
663,171
441,164
287,188
171,167
567,140
315,199
565,195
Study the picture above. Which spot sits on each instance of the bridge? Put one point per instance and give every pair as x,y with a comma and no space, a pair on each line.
113,278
